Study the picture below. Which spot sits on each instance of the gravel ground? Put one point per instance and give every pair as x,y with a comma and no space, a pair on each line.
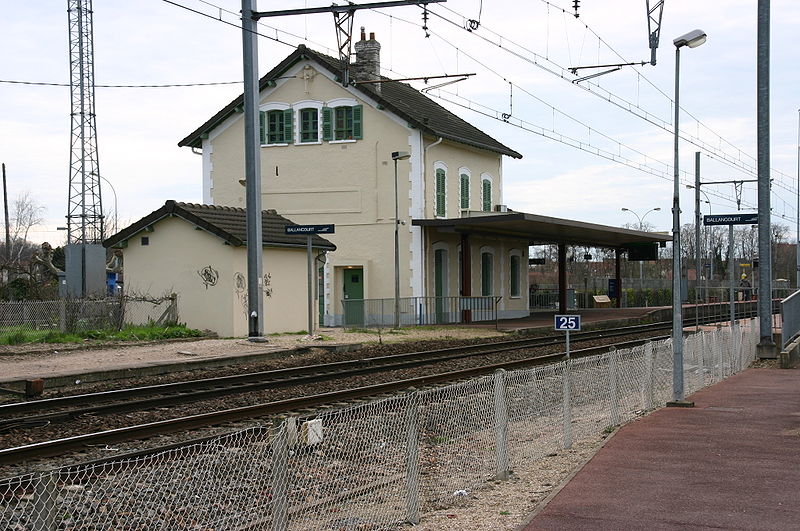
88,424
496,505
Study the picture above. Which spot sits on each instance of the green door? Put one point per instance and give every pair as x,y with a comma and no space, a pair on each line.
440,282
354,296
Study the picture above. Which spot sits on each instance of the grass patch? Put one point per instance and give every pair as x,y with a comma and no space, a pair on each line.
298,333
17,336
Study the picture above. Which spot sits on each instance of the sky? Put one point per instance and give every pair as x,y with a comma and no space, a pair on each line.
589,149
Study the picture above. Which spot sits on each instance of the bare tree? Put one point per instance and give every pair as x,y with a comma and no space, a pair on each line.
26,214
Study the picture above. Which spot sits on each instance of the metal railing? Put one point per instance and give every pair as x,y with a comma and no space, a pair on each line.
378,464
416,311
790,318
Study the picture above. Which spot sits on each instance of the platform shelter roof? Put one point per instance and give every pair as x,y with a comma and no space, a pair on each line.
540,230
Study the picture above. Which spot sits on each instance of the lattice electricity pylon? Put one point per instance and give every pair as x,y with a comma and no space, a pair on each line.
85,208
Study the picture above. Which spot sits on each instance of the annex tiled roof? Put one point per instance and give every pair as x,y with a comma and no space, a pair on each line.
228,223
400,98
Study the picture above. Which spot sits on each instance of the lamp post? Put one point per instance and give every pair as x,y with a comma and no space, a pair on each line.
397,155
116,211
692,39
641,227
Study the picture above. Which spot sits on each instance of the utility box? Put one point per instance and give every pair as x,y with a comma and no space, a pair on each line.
85,263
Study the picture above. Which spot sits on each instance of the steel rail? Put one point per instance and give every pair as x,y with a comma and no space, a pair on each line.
192,390
143,431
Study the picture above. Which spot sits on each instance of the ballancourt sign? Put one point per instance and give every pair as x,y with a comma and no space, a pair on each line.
730,219
309,229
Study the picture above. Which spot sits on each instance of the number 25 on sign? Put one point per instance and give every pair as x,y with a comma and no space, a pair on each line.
567,323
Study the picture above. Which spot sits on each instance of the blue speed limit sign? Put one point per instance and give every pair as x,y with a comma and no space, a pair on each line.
567,323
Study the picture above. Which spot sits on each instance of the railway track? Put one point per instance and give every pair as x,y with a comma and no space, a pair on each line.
142,431
60,409
312,373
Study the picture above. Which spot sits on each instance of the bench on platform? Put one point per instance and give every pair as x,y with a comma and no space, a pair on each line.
601,301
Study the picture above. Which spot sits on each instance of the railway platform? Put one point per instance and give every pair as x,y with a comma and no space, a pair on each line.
731,462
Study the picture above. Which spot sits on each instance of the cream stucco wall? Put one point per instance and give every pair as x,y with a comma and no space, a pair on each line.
351,184
347,183
478,164
177,253
509,307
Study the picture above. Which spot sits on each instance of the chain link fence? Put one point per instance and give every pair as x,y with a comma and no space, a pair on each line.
379,464
74,315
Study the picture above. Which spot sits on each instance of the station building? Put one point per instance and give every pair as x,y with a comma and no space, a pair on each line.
327,158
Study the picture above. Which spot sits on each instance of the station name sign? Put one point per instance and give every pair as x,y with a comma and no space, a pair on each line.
731,219
309,229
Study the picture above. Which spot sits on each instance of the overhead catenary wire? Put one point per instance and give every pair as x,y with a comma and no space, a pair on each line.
562,72
724,157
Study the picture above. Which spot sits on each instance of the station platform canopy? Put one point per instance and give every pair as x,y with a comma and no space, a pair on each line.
542,230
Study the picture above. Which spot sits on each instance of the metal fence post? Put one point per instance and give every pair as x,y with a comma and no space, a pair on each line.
648,376
501,424
567,407
62,316
613,384
44,503
280,477
412,458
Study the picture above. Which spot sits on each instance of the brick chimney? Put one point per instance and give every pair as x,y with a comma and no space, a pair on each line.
368,59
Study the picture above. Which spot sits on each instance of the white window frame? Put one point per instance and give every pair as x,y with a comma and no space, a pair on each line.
340,102
272,106
299,106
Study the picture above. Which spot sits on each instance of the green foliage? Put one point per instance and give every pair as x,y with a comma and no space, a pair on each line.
15,338
17,335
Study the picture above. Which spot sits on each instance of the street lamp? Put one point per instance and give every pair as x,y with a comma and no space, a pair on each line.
116,211
397,155
692,39
641,227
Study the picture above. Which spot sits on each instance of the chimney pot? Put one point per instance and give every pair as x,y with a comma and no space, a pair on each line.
363,35
372,35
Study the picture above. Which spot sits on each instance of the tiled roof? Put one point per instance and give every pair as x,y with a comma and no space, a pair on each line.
400,98
228,223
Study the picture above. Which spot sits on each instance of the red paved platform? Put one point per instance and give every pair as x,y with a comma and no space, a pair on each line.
732,462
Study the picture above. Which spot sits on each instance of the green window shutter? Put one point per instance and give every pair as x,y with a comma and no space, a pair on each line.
487,196
464,190
358,130
515,276
287,126
262,119
327,123
486,274
440,193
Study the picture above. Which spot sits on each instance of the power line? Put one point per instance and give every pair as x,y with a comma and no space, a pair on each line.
168,85
562,72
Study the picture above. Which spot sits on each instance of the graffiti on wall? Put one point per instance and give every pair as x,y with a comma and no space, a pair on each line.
209,276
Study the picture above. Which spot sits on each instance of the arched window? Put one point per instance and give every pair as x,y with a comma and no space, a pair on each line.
464,188
486,194
441,192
